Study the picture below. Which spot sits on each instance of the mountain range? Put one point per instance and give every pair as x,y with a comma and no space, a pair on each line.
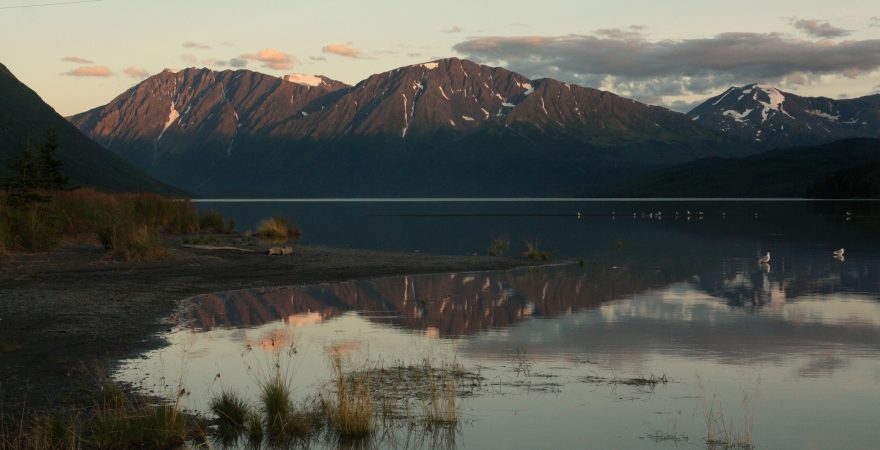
448,127
25,119
775,119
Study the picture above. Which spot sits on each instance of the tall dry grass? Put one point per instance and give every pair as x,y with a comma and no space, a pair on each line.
278,229
350,409
114,423
130,225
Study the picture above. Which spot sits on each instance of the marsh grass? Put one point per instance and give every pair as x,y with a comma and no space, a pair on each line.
650,381
131,225
133,243
534,252
350,408
499,245
278,229
115,422
231,410
722,432
212,222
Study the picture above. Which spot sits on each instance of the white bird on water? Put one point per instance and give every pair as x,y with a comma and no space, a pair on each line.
838,252
765,259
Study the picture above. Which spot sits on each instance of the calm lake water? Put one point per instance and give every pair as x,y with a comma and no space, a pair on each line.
786,354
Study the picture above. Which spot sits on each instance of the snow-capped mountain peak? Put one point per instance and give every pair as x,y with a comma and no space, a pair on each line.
768,115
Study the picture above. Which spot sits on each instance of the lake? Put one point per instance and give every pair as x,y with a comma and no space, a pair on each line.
655,326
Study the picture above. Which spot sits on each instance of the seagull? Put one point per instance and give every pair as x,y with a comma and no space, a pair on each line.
765,259
838,252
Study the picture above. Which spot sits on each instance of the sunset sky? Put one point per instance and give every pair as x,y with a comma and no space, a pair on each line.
675,53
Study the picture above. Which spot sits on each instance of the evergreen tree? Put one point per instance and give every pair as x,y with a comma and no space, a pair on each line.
48,168
34,169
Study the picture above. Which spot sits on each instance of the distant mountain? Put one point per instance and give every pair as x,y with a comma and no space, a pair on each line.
448,127
844,168
775,118
25,119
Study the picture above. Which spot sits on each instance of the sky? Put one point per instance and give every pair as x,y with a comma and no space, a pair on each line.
674,53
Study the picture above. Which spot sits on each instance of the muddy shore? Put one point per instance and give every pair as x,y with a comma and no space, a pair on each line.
66,316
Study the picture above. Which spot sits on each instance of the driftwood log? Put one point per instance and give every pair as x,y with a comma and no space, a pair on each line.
279,251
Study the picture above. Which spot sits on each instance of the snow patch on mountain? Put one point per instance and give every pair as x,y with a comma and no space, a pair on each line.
737,116
775,103
722,97
304,80
823,115
173,115
527,86
431,65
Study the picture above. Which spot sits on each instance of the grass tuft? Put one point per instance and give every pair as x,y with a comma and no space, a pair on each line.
278,229
351,409
534,252
499,246
231,410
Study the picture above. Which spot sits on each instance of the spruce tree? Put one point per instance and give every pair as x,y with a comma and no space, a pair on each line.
50,169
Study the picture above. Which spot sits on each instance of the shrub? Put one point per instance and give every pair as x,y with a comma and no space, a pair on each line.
211,222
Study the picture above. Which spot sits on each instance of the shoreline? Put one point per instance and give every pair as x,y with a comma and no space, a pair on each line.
66,317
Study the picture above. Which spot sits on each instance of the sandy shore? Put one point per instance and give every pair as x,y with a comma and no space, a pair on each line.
66,316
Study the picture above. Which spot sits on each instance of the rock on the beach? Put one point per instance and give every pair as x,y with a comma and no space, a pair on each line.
279,251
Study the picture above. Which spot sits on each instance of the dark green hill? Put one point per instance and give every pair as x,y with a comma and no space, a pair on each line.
817,171
25,119
855,182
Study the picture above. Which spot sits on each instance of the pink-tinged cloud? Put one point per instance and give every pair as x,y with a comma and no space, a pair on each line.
454,29
271,58
90,71
77,60
342,50
136,72
191,44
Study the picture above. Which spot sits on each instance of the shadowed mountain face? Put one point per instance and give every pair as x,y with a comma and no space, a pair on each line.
25,120
774,118
449,127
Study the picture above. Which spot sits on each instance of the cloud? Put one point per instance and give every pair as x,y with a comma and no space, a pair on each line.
189,59
90,71
648,70
270,58
874,22
238,63
819,29
317,58
454,29
136,72
77,60
342,50
191,44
